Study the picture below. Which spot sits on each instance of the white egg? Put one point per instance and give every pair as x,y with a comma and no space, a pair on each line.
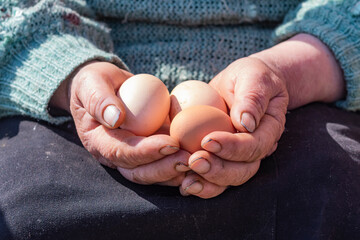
147,104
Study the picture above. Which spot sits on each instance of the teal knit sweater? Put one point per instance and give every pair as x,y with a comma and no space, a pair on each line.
42,42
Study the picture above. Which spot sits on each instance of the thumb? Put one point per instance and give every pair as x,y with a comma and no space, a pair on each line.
251,100
96,93
100,101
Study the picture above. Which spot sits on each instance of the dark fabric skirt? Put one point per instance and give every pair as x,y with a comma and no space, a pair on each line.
51,188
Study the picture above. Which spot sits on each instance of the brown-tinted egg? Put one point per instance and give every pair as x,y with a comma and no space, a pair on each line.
192,124
194,92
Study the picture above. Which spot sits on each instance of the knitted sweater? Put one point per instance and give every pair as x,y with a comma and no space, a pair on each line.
42,42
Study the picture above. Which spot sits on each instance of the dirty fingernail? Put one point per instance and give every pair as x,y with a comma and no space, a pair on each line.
181,167
183,192
200,165
248,122
111,115
194,188
211,146
167,150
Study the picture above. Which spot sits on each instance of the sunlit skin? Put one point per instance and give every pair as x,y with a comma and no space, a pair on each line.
258,89
144,160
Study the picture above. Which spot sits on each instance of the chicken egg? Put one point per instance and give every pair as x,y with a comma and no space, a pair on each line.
147,104
194,92
192,124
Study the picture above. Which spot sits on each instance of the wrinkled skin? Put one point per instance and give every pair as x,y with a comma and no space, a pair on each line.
258,90
144,160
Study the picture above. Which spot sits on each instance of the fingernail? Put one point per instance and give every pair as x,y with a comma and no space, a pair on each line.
111,115
183,192
194,188
248,122
200,165
181,167
167,150
211,146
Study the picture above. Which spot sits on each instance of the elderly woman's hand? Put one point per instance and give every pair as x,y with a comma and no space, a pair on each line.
258,100
258,90
98,113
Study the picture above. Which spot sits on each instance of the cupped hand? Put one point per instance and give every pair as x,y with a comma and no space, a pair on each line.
258,100
98,113
259,89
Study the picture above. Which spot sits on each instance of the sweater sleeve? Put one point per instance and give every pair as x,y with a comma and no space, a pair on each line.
40,46
337,24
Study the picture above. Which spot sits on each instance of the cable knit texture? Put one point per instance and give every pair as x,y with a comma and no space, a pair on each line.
42,42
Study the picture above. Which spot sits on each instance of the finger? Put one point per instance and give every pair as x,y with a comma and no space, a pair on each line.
175,182
106,162
165,169
128,150
247,147
96,92
222,172
254,89
122,148
193,184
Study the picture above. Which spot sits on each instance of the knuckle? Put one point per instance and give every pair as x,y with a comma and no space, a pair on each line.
279,124
87,142
124,158
110,156
257,100
252,150
279,115
241,177
135,175
245,174
91,98
256,152
139,176
218,173
94,102
230,151
281,129
133,156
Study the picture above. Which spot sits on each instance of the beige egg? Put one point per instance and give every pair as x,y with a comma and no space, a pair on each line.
192,124
147,104
194,92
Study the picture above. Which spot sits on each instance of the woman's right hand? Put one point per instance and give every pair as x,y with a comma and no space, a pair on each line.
98,113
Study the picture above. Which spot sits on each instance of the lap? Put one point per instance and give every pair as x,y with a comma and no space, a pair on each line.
308,189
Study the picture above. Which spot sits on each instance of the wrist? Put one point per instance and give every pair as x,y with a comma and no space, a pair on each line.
60,98
308,68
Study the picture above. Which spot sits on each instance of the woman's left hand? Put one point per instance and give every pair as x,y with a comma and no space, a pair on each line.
258,100
258,90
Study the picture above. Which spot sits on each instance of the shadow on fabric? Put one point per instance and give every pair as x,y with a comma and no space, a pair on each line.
11,129
307,189
4,229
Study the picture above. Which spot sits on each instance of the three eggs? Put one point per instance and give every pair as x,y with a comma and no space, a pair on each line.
194,108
